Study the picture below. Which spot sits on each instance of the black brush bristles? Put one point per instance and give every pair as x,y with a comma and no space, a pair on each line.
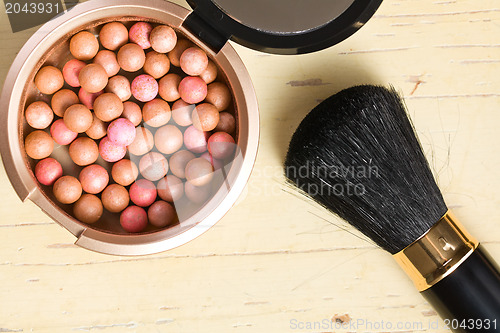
357,154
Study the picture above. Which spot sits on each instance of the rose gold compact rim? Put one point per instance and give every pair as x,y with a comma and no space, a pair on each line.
31,57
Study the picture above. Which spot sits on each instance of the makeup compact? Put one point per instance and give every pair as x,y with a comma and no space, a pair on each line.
281,27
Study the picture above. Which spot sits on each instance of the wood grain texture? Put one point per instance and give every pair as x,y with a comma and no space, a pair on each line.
277,259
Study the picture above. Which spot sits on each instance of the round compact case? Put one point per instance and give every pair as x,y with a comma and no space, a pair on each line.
284,27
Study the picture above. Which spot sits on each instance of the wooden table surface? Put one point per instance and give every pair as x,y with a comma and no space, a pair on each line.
277,262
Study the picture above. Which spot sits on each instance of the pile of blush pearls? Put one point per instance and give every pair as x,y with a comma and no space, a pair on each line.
153,95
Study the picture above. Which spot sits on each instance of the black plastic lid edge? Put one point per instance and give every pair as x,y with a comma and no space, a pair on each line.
310,41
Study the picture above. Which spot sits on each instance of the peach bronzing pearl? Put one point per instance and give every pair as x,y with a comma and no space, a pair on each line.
39,115
49,79
107,60
115,198
193,61
163,39
83,151
205,117
113,35
108,106
156,64
131,57
120,86
67,189
199,171
38,144
153,166
143,142
93,78
97,130
168,139
83,46
88,208
168,87
178,162
161,214
156,113
94,178
132,112
210,73
170,188
62,100
218,94
78,118
124,172
181,113
175,55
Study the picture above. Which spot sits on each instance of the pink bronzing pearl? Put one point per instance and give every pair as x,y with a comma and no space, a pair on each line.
87,98
195,140
221,145
121,132
111,152
139,34
144,88
71,70
192,89
47,171
134,219
61,133
143,193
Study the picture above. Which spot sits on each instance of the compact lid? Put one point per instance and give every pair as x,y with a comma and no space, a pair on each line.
281,26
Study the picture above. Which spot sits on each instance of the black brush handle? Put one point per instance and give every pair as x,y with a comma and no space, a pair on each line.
468,299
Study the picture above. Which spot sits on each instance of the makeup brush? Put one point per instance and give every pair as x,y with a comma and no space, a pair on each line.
357,155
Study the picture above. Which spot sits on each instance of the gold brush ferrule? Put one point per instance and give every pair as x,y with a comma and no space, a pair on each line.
437,253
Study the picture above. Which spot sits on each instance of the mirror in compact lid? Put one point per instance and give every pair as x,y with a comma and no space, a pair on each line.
284,16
